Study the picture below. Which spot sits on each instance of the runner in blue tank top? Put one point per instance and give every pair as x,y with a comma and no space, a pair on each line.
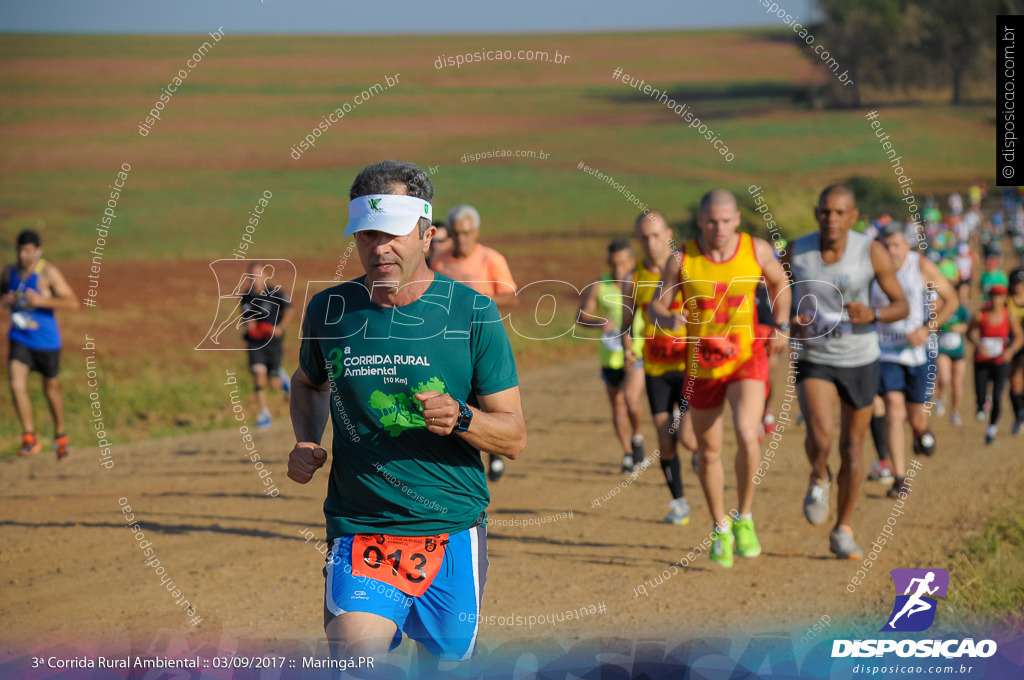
34,289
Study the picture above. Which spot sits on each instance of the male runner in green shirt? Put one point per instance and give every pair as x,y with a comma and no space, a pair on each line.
418,376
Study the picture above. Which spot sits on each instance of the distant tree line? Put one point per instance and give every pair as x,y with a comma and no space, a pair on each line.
909,44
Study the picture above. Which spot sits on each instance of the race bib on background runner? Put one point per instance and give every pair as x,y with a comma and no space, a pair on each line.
715,352
991,348
950,341
891,340
612,340
663,349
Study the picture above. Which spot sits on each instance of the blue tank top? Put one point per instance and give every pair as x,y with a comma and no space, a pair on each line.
35,328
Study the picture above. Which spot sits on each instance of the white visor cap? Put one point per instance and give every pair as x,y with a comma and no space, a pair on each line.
389,213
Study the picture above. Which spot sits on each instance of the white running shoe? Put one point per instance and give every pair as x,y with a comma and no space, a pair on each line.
816,501
678,512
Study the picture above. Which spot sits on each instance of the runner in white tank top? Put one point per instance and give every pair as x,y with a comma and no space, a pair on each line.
831,271
908,347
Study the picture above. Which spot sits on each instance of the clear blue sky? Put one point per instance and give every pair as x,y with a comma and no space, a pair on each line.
382,16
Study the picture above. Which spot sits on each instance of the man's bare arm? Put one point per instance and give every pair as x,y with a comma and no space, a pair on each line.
885,274
310,407
61,295
950,301
510,300
658,311
286,318
1018,336
588,305
778,290
497,427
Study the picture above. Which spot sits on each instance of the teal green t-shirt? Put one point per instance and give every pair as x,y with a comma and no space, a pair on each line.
952,344
388,473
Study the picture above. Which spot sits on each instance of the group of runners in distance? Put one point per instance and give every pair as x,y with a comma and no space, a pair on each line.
695,326
872,313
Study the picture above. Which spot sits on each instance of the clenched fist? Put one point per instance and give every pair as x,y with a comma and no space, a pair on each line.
304,460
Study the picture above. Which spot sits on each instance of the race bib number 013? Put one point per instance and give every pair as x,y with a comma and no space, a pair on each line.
408,563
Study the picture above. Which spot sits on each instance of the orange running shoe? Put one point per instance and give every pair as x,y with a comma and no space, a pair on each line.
30,445
63,452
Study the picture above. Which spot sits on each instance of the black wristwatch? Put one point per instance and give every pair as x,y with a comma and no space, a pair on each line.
877,315
465,416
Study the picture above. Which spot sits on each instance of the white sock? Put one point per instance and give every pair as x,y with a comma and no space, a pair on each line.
748,515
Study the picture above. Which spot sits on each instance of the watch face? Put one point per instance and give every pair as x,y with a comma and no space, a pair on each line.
465,416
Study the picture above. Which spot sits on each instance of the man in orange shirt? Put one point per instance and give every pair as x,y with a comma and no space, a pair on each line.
481,268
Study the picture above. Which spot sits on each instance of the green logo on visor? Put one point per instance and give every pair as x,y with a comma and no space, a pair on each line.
426,209
375,205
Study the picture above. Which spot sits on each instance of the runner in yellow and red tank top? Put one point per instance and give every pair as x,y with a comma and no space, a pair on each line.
717,274
664,358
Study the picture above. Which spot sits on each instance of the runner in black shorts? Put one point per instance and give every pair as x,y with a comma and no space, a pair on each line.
837,353
34,289
664,358
268,311
666,392
855,386
267,355
44,362
601,305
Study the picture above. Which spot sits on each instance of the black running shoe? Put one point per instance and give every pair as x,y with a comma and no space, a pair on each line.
925,444
638,451
496,469
898,487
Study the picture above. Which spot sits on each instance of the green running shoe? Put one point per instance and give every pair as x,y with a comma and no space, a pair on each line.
747,544
722,546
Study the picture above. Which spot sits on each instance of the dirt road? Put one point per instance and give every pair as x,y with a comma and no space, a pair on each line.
72,574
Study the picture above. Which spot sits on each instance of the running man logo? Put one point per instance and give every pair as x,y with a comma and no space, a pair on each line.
914,610
275,277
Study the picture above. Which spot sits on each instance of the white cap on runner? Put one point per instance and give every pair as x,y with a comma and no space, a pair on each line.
390,213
